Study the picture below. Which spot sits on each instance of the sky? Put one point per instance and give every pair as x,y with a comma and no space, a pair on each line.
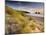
28,6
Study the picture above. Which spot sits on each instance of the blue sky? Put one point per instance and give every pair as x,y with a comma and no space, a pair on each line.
27,6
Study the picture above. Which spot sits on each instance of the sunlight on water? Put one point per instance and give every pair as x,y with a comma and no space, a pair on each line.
37,15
